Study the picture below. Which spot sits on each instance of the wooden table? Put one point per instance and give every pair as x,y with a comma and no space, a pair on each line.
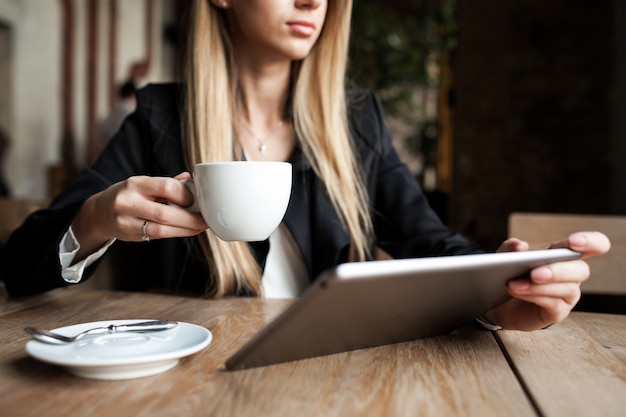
576,368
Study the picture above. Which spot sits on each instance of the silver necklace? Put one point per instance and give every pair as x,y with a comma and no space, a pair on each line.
261,140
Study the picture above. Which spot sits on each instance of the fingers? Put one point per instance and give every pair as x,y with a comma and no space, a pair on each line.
588,243
166,221
568,292
558,280
183,176
127,205
575,271
554,301
513,245
550,292
552,289
161,189
150,230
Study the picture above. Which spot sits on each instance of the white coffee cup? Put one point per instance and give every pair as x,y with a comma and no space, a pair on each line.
241,200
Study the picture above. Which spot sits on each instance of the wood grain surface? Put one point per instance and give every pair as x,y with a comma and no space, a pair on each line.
465,373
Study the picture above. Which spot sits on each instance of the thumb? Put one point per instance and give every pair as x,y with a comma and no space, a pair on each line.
513,245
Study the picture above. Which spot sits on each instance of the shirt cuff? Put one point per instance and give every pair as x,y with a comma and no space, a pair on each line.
68,248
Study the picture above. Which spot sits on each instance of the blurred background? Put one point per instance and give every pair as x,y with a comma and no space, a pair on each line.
496,105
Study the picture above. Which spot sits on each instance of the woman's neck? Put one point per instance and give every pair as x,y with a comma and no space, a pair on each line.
265,90
263,131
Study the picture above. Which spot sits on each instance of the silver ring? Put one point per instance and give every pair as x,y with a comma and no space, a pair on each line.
145,236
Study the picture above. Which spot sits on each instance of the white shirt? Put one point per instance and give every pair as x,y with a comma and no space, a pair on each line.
68,248
285,274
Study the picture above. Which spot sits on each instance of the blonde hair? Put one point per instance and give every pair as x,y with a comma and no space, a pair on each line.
319,117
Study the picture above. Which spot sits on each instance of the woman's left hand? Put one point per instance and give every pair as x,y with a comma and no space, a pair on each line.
550,292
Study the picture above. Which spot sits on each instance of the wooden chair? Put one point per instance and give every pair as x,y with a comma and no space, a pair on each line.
605,291
13,211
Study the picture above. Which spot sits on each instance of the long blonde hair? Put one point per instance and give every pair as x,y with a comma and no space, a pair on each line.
320,122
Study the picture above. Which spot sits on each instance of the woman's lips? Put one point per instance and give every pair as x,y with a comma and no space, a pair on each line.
302,28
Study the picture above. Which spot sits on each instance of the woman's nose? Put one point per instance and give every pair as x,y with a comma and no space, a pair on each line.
308,4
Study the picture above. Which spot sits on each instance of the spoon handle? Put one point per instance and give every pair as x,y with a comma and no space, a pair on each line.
146,326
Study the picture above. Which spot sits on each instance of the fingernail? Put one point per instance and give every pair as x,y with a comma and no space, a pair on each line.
519,285
577,240
542,274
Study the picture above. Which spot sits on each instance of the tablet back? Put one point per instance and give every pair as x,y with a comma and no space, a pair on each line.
366,304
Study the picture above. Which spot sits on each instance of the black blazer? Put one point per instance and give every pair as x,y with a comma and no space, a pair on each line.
149,143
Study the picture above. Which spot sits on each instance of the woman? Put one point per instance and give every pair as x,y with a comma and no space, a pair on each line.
263,80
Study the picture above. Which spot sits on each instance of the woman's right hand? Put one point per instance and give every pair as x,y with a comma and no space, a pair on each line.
121,210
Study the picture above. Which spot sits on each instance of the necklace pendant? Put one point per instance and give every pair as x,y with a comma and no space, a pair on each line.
262,148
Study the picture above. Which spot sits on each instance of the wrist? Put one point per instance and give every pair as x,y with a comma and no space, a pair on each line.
87,229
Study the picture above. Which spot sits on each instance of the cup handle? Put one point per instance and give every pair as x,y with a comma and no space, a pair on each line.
194,208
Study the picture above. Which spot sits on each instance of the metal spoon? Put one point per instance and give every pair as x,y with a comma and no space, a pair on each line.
46,336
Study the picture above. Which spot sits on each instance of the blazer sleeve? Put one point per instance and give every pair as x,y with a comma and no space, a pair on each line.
405,224
29,262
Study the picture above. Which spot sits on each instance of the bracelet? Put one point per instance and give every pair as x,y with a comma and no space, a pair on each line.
487,324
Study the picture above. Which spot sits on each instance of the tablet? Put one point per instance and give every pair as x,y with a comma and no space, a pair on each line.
366,304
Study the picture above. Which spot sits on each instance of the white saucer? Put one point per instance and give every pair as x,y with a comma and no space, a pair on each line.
122,355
